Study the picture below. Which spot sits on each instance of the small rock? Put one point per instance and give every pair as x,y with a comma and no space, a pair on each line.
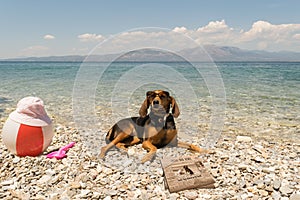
191,194
260,185
259,159
8,182
269,188
284,198
107,171
276,195
44,179
112,192
131,152
285,189
75,185
16,160
107,198
244,196
214,172
269,170
295,196
258,148
276,184
9,187
137,193
243,139
242,167
174,196
84,193
50,172
263,193
224,157
158,191
243,184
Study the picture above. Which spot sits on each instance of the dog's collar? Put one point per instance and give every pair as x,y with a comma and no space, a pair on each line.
160,122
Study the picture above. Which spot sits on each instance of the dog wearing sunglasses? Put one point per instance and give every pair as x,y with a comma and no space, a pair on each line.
154,130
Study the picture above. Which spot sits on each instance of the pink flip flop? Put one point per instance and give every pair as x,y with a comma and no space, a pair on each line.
61,153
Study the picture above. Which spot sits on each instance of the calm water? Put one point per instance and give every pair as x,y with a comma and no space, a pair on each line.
261,98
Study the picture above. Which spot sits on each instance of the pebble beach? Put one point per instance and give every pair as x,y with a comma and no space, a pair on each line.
244,167
256,156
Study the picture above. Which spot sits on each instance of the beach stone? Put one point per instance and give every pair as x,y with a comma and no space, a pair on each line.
276,184
107,170
258,148
174,196
242,183
8,187
131,152
206,196
214,172
8,182
242,167
295,196
107,198
269,188
259,159
260,185
16,160
75,185
44,179
284,198
137,193
191,194
243,139
276,195
50,172
285,190
263,193
269,170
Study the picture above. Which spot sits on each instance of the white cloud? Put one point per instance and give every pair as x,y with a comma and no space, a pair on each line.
262,35
274,37
214,27
267,31
180,29
49,37
90,37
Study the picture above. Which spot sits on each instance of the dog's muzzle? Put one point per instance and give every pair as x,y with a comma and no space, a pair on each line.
156,104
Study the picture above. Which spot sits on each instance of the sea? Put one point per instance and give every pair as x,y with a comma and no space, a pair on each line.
257,99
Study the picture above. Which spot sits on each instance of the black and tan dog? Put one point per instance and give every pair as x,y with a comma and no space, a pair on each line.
154,130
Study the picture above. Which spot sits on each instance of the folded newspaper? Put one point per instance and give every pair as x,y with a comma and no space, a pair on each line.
185,173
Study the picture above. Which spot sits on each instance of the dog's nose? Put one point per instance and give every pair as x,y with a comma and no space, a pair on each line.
155,102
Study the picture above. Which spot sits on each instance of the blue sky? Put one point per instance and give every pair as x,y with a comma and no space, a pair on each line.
56,27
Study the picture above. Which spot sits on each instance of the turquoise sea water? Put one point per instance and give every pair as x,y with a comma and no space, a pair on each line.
262,99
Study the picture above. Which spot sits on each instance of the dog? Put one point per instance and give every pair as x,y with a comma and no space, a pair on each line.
154,130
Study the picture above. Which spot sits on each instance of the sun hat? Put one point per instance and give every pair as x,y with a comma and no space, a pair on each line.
31,111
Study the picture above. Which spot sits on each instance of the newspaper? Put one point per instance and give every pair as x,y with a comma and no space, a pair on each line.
185,173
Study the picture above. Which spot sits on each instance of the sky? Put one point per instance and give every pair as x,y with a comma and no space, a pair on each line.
76,27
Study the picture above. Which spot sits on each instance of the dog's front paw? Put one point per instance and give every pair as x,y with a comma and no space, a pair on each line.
102,153
148,157
199,150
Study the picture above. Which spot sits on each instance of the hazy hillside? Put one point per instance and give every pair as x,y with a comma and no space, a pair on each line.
216,53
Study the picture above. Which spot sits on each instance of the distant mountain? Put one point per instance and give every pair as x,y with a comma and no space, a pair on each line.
208,53
227,53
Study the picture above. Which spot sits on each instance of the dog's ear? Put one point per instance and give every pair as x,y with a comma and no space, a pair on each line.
145,105
175,108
